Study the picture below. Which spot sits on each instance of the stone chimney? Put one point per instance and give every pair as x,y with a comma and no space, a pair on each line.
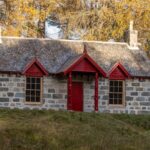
133,37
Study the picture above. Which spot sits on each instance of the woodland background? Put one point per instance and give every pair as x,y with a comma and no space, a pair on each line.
88,19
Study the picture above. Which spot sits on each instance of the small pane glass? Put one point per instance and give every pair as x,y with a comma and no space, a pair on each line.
120,89
120,83
116,89
115,101
27,92
37,99
33,80
110,95
110,101
111,83
28,86
33,93
37,93
28,98
120,96
111,89
32,99
28,80
38,80
120,101
115,96
116,83
38,86
33,86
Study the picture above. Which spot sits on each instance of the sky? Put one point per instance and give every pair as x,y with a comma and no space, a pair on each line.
53,31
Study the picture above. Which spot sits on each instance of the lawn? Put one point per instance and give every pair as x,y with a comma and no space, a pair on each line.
59,130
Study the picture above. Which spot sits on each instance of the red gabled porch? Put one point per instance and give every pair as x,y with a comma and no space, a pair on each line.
85,65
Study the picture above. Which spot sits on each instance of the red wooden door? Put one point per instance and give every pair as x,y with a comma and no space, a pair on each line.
77,96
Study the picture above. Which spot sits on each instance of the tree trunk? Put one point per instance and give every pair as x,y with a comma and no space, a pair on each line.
41,29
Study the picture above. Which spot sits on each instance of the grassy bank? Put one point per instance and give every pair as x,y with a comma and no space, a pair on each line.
50,130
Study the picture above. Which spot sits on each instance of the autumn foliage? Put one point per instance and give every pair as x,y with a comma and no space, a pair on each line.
92,20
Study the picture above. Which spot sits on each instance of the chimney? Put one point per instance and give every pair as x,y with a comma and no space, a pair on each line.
0,34
133,37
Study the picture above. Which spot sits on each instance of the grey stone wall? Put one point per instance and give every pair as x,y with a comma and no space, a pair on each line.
137,94
12,93
136,98
88,103
55,93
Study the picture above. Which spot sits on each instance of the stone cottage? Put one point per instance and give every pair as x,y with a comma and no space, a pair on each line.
74,75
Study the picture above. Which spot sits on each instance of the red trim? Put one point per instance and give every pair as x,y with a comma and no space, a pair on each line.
57,74
118,68
84,66
69,106
77,62
96,92
38,64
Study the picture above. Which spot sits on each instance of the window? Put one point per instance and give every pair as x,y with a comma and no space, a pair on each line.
116,92
33,89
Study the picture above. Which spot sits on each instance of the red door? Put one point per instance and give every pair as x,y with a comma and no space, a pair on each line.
77,96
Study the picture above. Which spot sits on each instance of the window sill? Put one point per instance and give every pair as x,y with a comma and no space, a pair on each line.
116,106
33,103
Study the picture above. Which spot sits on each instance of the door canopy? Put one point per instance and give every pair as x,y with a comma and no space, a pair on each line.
85,63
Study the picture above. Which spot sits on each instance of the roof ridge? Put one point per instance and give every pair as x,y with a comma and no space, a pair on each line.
67,40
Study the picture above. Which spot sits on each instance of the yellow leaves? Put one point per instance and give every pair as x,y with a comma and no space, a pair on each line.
12,31
111,20
25,14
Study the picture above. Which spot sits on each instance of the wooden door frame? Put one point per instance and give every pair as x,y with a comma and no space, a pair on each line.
96,91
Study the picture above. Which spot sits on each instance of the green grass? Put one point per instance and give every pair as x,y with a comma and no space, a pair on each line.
58,130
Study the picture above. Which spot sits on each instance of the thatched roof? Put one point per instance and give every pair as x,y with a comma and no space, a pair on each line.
15,54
